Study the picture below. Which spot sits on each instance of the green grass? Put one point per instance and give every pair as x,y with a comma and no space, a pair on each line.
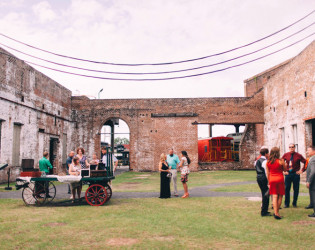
2,187
251,188
232,223
150,182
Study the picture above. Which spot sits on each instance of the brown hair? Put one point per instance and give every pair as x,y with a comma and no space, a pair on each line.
274,155
75,159
80,148
264,151
45,154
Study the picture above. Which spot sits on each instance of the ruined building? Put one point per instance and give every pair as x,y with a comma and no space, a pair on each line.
39,114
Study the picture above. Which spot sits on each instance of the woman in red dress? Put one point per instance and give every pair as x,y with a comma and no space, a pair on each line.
275,168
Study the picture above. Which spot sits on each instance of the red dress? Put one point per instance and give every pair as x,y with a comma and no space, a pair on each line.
276,180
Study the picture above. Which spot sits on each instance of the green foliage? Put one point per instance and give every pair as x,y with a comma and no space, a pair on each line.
119,140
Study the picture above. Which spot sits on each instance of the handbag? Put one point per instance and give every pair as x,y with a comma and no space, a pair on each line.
169,175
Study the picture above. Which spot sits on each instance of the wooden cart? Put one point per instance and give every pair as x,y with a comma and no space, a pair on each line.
41,190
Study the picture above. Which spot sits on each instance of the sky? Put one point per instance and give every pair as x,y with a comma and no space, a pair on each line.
155,31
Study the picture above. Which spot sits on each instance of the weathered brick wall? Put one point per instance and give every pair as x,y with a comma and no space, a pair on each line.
286,103
30,98
154,127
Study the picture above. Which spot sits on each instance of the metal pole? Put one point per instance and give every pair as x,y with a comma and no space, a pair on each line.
8,187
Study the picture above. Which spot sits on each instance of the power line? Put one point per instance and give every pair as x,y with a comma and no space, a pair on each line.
164,63
161,72
170,78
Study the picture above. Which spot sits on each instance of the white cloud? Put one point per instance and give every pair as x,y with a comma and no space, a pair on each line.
44,12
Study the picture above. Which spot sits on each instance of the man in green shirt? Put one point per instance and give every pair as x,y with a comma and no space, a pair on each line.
44,163
172,161
45,166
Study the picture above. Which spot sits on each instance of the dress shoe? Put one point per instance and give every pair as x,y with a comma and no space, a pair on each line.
277,217
266,214
294,205
312,215
285,206
309,207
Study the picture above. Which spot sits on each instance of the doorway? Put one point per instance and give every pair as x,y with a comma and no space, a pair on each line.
53,142
115,135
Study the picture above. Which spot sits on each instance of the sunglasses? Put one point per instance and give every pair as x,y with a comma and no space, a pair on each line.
291,147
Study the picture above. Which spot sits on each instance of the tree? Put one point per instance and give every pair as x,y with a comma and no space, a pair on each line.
120,140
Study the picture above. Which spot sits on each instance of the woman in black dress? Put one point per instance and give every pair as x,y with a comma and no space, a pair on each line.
165,181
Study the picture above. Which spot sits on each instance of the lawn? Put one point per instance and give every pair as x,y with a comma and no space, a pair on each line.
150,182
251,188
232,223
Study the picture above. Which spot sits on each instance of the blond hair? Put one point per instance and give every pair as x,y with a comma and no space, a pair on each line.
162,157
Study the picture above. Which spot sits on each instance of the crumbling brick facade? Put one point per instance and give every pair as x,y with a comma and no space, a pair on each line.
34,110
37,114
289,102
158,124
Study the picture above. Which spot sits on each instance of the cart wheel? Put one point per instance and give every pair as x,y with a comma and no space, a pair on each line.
34,194
96,195
51,192
109,192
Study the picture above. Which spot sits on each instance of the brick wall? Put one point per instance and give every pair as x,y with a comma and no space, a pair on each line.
36,103
158,124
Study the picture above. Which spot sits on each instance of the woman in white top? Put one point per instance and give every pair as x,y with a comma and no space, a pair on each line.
184,165
75,169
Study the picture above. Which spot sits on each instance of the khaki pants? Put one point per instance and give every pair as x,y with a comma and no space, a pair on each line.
174,179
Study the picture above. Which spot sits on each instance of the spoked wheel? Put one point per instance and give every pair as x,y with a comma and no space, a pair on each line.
51,192
34,194
96,195
109,192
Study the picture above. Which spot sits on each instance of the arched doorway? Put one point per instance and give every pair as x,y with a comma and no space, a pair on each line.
115,134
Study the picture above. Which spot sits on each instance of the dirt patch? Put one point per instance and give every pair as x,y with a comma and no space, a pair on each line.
122,241
55,224
164,238
304,222
128,185
253,198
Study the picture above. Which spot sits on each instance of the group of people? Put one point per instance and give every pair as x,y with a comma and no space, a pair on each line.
168,166
74,163
275,176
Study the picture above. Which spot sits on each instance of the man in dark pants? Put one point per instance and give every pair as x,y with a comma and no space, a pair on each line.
310,177
293,161
262,180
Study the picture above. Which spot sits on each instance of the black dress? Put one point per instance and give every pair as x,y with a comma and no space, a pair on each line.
165,183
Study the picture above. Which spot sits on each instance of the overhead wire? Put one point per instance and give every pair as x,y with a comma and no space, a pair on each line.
160,72
169,78
163,63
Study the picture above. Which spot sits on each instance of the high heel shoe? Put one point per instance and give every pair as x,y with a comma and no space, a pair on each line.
277,217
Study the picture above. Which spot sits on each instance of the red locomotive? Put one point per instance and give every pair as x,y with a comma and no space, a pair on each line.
215,149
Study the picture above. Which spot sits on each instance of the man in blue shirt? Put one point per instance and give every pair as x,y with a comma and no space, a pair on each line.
68,163
172,161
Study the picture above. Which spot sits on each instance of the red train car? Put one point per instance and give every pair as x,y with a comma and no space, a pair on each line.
215,149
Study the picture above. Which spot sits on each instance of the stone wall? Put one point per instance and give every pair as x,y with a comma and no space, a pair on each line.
38,106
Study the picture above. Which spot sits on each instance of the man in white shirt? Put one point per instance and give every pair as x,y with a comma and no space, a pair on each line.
104,158
262,180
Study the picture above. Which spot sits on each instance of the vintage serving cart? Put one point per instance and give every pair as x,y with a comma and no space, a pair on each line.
41,190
